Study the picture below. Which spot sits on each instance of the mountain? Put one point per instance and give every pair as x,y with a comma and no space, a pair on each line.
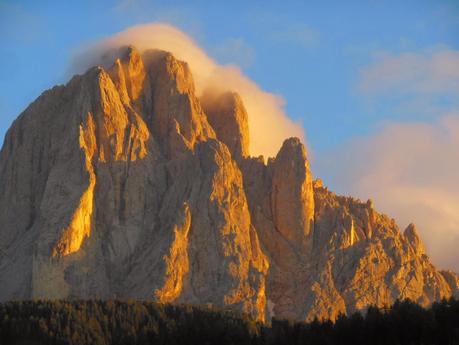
125,184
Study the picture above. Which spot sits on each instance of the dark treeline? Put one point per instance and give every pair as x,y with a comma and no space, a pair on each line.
139,322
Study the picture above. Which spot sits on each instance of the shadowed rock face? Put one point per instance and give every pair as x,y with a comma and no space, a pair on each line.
125,184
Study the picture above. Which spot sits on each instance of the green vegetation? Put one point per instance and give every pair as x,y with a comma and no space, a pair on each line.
141,322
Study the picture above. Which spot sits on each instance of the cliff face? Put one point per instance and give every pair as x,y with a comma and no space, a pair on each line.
124,184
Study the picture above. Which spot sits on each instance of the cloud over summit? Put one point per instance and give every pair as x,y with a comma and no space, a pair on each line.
269,126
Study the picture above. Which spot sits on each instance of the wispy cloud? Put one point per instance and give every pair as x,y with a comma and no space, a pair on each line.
269,125
235,51
185,15
124,5
297,33
411,170
431,71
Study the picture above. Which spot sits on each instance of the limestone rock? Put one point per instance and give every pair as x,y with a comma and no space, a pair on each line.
373,269
229,119
412,236
281,202
292,198
177,118
453,280
129,75
121,185
96,204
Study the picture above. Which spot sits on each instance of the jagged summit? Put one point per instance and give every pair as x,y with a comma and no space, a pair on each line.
228,117
412,236
126,184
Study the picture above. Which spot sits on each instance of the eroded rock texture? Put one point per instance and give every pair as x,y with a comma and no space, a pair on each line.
126,184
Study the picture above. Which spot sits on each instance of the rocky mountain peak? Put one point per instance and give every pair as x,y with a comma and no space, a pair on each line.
128,74
292,195
124,184
228,117
177,119
412,236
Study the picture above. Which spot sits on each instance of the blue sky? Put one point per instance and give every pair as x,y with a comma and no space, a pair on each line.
374,83
311,53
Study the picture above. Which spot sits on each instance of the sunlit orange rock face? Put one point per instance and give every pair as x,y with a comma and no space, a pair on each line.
125,183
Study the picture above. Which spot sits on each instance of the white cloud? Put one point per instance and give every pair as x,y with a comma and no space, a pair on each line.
124,5
411,171
235,51
269,126
299,34
427,72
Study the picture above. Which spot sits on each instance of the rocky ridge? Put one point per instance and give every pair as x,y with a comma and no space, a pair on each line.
125,184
